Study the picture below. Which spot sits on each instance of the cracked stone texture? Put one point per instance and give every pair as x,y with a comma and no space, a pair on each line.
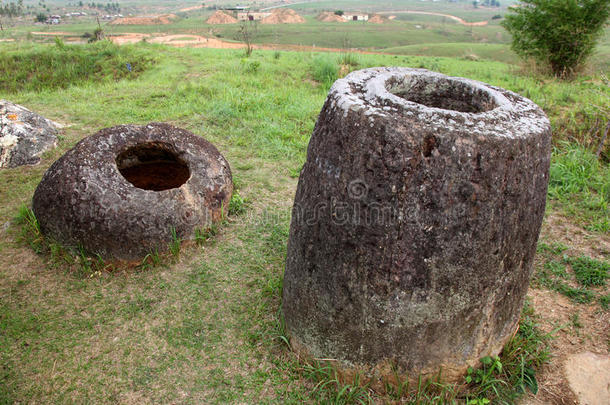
415,223
24,135
84,200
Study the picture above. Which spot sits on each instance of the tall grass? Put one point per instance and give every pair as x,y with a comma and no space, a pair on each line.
35,68
582,184
325,70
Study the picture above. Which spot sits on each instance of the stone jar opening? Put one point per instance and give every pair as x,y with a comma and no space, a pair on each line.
154,166
443,93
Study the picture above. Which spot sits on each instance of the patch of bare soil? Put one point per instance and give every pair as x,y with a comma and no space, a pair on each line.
558,228
153,20
452,17
220,17
128,38
195,41
283,16
329,16
193,8
377,19
580,331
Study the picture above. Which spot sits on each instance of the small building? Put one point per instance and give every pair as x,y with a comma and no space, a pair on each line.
236,8
356,17
53,20
252,16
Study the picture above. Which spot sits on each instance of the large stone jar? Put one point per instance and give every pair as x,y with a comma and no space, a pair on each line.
415,223
130,190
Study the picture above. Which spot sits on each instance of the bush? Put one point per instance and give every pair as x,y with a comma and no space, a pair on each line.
558,33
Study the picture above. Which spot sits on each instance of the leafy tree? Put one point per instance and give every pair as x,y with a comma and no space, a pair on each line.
10,9
559,33
339,12
41,17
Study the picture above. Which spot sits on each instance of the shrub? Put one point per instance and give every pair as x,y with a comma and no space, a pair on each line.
558,33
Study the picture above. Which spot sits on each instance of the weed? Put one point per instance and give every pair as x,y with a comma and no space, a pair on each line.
253,66
589,272
175,244
604,301
579,294
30,229
238,204
150,261
427,391
276,55
556,268
575,321
553,273
554,248
349,59
203,235
329,388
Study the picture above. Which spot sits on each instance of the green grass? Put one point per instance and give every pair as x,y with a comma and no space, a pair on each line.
590,272
580,278
467,50
37,68
324,70
504,379
206,329
581,183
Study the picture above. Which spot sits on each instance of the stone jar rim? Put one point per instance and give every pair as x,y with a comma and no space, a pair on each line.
509,115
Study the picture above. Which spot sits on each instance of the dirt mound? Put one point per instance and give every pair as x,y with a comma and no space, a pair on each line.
329,16
220,17
283,16
154,20
377,19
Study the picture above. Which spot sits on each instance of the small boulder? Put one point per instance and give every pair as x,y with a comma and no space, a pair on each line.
589,377
24,135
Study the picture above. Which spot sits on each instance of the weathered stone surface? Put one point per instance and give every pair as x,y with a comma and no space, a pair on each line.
415,223
589,377
24,135
120,191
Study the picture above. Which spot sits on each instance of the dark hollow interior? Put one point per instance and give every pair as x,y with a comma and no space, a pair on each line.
441,93
153,166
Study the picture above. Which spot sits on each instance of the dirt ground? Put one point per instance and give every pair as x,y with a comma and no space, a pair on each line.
572,341
152,20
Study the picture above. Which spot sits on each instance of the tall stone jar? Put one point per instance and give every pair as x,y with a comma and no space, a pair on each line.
415,224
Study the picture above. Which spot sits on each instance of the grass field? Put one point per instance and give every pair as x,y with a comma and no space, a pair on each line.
206,329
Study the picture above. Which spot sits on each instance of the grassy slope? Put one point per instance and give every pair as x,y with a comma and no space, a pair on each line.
204,330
